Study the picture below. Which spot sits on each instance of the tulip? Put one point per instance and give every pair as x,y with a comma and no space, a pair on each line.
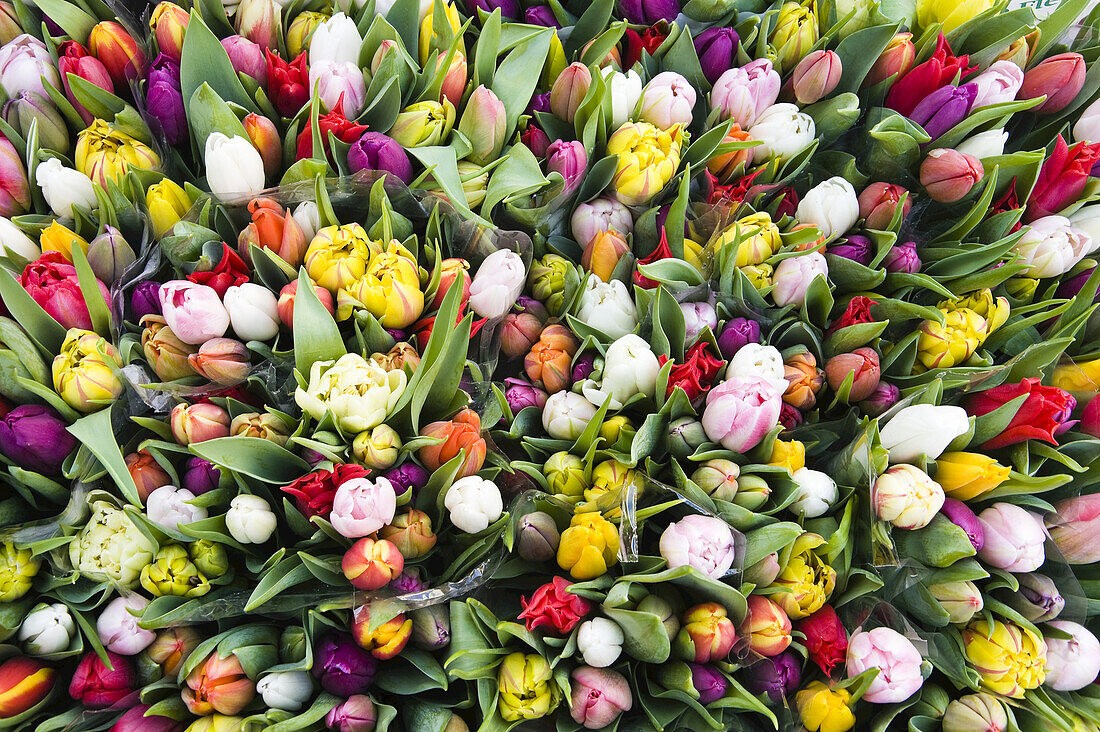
863,366
136,718
75,60
569,91
588,547
288,83
335,39
359,393
707,634
170,506
340,86
59,239
938,71
878,204
106,155
822,709
922,429
14,188
816,76
118,628
285,303
169,24
253,311
84,373
743,94
385,641
600,215
647,159
109,254
630,369
668,99
109,547
164,351
371,565
896,658
975,712
793,277
608,307
1043,416
47,629
34,437
648,12
1072,663
1013,538
1062,178
569,160
896,59
948,175
98,685
710,684
906,497
782,131
1085,129
626,90
497,284
164,100
234,168
342,667
740,411
944,108
1072,527
173,573
997,84
1038,598
598,697
768,627
461,434
424,124
703,542
1059,78
250,519
362,507
199,422
24,62
1051,246
524,687
375,151
760,361
716,48
117,50
815,493
989,144
554,606
473,503
24,683
961,600
902,258
219,684
30,106
831,206
826,640
356,714
1008,658
600,642
194,312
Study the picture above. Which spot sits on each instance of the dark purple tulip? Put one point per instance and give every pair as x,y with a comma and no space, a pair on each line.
1070,287
960,514
525,304
342,667
536,140
396,333
247,58
882,398
375,151
539,103
145,299
856,247
409,475
717,51
508,8
163,100
53,27
541,15
584,367
520,395
408,582
902,258
944,108
34,437
738,332
777,676
201,476
134,720
648,12
789,416
709,682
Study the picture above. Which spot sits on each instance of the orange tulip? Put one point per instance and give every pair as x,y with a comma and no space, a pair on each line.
146,472
462,433
603,253
274,229
218,685
723,166
550,360
385,641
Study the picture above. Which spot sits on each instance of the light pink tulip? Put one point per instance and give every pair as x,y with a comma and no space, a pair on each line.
667,100
1013,538
194,312
599,696
361,506
793,277
497,284
703,542
742,94
1072,663
23,63
1074,527
598,216
896,658
997,84
339,83
1087,127
118,629
741,410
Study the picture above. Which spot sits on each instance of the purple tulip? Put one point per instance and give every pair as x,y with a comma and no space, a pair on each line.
882,398
541,15
408,582
396,333
247,58
737,333
525,304
648,12
709,682
902,258
34,437
409,475
520,395
508,8
717,51
856,247
164,101
960,514
201,476
777,676
1070,287
944,108
134,720
342,667
539,103
356,714
145,299
570,160
375,151
584,367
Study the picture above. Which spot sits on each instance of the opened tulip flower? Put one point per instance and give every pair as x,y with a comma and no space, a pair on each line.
170,506
473,503
896,658
362,506
359,393
703,542
1009,658
24,62
1052,245
741,410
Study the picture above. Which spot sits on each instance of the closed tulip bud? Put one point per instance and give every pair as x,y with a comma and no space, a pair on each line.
961,600
98,684
816,76
167,202
768,627
173,573
764,572
234,168
30,106
603,253
716,48
656,605
975,713
136,720
24,682
17,569
371,565
569,91
14,188
34,437
47,629
164,351
537,537
219,684
878,203
74,60
896,59
803,379
10,29
411,533
117,50
667,99
726,165
1073,663
1038,598
1059,78
285,304
223,361
565,474
777,677
906,497
118,629
300,32
454,80
944,108
288,690
58,238
862,364
378,447
356,714
264,136
199,422
385,641
948,175
375,151
257,21
253,311
815,493
569,160
146,473
109,254
1014,538
599,641
519,332
707,634
169,24
648,157
794,275
24,61
1073,525
598,697
718,477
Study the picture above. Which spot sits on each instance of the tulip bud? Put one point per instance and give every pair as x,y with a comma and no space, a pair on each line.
24,682
906,497
707,634
118,629
169,24
117,50
199,422
598,697
1038,598
897,58
538,537
224,361
569,90
109,254
949,175
603,252
862,364
219,684
385,641
816,76
961,600
454,81
878,204
371,564
768,627
136,720
97,684
1014,538
264,136
1059,78
10,29
975,713
777,677
30,106
47,629
752,492
355,714
764,572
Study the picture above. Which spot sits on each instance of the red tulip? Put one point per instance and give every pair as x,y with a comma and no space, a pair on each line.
926,78
287,84
826,640
1062,178
97,686
24,682
1043,416
52,283
555,607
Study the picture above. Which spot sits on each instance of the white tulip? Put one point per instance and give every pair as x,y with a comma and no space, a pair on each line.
600,642
308,217
339,84
170,506
1051,246
626,90
794,275
253,311
922,429
234,168
250,519
566,414
816,492
1087,127
47,629
782,131
1073,663
630,368
17,244
608,307
985,144
1086,219
473,503
118,628
287,690
831,206
336,40
757,359
64,188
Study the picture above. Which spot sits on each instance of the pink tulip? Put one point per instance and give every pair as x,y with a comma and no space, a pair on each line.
667,99
118,627
997,84
703,542
599,696
15,192
793,277
1013,538
1074,527
896,658
194,312
497,284
362,506
742,94
741,411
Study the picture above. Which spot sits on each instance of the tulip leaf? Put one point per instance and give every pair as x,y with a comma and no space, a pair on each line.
517,76
46,332
207,113
412,672
644,636
316,335
1055,24
74,21
591,23
205,61
288,573
859,52
517,176
96,432
93,299
441,162
253,456
310,718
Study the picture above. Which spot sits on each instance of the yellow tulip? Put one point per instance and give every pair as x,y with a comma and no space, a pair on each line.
760,275
950,344
1082,379
648,158
301,30
995,310
1009,658
424,124
795,32
167,202
84,371
823,709
612,428
808,579
57,238
430,39
951,13
565,474
967,475
17,568
759,239
104,155
789,454
390,288
525,688
589,546
338,256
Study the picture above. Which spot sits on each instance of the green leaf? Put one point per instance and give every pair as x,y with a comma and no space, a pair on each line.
644,636
93,299
74,21
205,61
254,457
208,113
43,329
96,433
518,75
316,335
518,175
